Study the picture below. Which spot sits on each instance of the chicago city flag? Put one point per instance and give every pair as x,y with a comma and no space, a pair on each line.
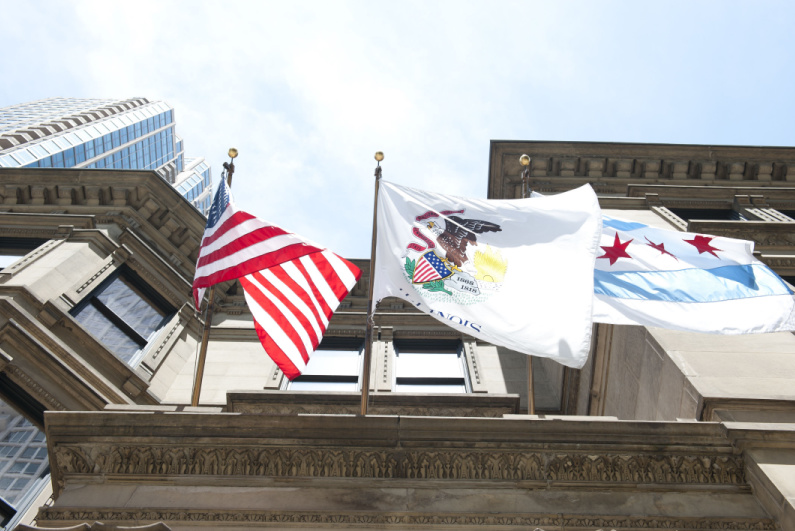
516,273
291,285
685,281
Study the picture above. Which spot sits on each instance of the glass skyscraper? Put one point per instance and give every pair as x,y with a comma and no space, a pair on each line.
98,133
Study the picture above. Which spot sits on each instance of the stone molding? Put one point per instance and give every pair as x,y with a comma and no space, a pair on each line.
98,526
321,409
610,167
23,380
495,464
550,522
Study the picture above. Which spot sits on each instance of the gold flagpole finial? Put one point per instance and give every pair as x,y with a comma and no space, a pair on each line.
524,160
379,156
229,167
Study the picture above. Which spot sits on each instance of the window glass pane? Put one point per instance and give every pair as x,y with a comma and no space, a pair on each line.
61,143
39,151
428,364
323,386
107,333
80,154
50,146
442,388
69,158
126,302
333,362
23,156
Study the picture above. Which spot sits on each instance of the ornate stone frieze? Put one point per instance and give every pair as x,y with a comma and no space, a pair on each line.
418,464
391,520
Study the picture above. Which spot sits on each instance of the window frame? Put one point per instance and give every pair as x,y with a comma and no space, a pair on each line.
333,343
409,346
143,290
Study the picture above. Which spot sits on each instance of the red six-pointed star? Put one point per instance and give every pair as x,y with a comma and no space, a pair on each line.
660,247
616,251
702,243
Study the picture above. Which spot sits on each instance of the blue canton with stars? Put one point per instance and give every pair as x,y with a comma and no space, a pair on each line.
219,204
437,264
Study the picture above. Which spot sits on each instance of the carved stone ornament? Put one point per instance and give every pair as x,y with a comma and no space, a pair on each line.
98,526
550,522
444,464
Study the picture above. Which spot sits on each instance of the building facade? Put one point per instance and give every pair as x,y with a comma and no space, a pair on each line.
660,429
133,134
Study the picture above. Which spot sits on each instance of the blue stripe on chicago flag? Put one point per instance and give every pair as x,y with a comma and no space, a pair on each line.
620,224
692,285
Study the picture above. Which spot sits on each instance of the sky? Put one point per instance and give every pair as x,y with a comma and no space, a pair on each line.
309,91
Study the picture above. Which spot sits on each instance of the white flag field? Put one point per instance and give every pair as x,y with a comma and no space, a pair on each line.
685,281
518,273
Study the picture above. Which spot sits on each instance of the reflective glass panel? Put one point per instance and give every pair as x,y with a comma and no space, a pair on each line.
107,333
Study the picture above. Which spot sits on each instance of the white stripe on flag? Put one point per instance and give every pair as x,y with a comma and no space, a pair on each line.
236,232
347,278
283,309
252,251
299,278
272,328
299,304
322,286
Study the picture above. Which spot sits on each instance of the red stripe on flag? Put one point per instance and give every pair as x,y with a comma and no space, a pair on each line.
278,317
229,223
299,291
258,263
332,279
284,322
327,311
271,348
243,241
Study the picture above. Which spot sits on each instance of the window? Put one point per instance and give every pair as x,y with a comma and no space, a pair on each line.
23,454
726,214
334,366
430,367
123,314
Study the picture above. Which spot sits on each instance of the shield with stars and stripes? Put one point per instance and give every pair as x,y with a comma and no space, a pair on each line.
429,268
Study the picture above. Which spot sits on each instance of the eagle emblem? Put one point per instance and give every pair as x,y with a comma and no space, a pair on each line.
451,263
457,234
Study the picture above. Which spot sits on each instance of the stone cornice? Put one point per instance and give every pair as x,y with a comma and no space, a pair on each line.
611,167
389,520
131,199
296,403
607,453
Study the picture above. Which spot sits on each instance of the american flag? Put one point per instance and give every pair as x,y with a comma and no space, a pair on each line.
292,286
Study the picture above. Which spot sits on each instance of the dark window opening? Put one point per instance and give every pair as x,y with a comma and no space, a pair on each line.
721,214
123,313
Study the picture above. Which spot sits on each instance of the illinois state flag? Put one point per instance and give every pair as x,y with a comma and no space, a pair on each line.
685,281
291,285
516,273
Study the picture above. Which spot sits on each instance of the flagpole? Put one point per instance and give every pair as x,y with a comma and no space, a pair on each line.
368,331
524,160
229,168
